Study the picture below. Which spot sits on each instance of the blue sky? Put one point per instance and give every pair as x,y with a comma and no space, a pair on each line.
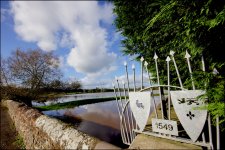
80,33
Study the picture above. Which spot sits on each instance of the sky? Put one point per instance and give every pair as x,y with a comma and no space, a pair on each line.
80,33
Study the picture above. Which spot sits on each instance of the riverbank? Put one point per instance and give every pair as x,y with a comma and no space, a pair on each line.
42,132
10,139
73,103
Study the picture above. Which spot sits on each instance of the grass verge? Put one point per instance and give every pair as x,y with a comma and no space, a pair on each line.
19,142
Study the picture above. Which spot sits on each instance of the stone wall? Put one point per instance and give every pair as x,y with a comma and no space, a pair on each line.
42,132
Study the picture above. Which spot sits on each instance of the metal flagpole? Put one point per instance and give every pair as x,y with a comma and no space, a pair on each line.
160,95
151,91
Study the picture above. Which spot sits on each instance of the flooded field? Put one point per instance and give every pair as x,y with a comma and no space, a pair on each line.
100,120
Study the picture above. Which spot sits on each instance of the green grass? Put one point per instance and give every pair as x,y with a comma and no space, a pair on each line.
73,103
19,142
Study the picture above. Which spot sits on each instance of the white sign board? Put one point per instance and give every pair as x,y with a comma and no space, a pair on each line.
164,126
140,106
193,120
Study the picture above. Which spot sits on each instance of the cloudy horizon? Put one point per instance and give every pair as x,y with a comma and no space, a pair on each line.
80,32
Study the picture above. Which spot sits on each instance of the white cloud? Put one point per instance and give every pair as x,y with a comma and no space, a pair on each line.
78,23
97,79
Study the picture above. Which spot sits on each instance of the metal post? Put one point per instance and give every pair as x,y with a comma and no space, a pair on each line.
151,91
121,124
129,140
133,67
172,55
168,79
187,56
160,95
210,132
217,133
130,125
209,118
128,84
142,59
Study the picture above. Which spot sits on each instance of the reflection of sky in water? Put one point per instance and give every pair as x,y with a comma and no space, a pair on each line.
100,120
104,113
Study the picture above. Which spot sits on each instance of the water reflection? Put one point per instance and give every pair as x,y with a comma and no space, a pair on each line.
69,98
100,120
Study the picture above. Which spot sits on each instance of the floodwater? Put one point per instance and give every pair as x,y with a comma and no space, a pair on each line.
74,97
100,120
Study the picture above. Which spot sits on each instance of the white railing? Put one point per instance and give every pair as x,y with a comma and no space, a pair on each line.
139,111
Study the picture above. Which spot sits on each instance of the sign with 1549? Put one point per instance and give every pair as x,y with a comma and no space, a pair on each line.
164,126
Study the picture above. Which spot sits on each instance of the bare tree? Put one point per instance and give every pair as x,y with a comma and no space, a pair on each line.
4,73
24,73
33,68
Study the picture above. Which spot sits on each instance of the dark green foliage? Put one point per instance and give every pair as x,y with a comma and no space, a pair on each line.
193,25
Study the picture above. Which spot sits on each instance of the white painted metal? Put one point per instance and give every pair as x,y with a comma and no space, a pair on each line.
164,126
172,56
140,105
217,133
187,56
192,120
153,86
121,125
133,68
128,84
179,139
142,59
130,113
187,100
123,118
168,79
151,91
160,95
203,64
130,123
215,72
